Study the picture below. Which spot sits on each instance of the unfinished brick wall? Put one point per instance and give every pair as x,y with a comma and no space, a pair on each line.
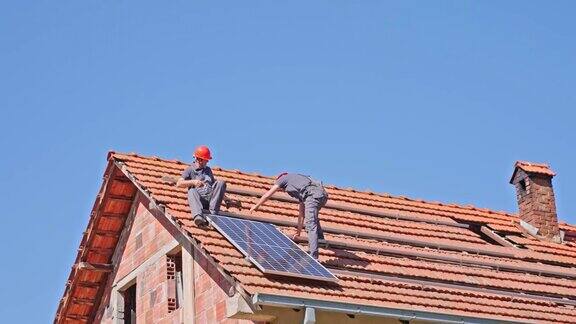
145,239
210,290
153,298
147,236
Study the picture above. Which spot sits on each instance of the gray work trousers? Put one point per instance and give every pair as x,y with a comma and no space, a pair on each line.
314,201
206,198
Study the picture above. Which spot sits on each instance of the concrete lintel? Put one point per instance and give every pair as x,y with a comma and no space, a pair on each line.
164,250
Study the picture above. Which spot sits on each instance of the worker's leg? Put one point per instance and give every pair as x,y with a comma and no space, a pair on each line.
311,207
218,191
319,193
322,202
195,202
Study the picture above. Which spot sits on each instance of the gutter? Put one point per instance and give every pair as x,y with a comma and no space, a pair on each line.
339,307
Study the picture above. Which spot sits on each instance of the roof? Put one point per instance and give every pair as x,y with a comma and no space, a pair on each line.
89,274
532,167
391,251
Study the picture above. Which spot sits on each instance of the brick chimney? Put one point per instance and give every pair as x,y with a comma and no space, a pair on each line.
535,195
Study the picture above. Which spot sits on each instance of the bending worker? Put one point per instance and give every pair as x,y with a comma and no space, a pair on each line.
204,191
312,197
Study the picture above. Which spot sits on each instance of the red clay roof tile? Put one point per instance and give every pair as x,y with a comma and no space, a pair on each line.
446,286
532,167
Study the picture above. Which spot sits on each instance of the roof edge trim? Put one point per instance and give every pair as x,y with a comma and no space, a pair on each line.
340,307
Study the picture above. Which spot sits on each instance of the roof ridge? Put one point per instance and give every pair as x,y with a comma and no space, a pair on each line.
546,165
533,167
384,195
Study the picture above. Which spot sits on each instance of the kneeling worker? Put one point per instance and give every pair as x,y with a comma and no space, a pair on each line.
312,197
204,191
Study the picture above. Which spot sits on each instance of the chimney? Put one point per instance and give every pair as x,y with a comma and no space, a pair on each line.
535,195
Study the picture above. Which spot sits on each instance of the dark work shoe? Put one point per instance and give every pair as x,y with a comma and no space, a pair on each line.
200,221
233,203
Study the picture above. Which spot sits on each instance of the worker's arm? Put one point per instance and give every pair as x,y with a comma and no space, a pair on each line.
266,196
300,219
181,183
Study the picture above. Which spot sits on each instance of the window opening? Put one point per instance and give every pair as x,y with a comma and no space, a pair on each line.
174,278
522,185
130,305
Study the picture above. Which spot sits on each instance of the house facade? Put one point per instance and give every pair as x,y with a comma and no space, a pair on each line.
397,260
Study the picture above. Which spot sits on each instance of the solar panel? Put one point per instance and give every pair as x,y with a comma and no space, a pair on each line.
269,249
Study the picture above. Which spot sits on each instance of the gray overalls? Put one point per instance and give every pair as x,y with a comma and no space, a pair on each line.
208,196
313,195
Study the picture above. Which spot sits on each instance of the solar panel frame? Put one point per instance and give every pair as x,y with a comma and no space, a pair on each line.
284,248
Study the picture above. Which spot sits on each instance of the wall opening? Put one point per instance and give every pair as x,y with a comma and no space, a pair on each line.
522,186
130,305
175,281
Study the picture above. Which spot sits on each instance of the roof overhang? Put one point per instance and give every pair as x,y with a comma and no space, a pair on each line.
260,299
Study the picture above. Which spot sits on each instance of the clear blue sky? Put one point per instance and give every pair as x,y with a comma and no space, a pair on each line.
428,99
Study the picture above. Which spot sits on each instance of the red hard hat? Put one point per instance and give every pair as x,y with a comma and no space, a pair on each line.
203,152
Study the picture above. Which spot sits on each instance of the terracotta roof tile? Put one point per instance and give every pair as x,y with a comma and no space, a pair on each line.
451,280
566,250
532,167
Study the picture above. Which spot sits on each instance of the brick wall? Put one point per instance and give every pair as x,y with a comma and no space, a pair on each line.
152,296
146,237
536,202
210,292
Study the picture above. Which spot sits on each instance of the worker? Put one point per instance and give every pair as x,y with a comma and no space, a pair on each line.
204,191
312,197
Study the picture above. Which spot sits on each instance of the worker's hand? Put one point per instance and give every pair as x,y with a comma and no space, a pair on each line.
197,183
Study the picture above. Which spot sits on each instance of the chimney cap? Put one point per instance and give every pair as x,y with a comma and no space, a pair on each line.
532,167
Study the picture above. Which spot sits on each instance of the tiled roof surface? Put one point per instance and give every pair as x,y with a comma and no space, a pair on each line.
425,259
532,167
569,230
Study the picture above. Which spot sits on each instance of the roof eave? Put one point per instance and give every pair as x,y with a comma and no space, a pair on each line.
262,299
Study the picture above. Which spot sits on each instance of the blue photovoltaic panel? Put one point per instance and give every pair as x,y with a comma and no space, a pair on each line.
269,249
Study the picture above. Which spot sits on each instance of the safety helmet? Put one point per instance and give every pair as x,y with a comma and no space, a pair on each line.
202,152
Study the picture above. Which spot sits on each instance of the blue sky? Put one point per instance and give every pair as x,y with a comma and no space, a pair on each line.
428,99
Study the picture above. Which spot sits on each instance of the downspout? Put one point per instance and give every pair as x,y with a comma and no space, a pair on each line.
309,315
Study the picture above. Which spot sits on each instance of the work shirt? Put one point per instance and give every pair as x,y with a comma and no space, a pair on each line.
295,185
194,172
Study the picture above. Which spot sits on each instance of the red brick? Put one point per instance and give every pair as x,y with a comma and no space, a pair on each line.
200,304
160,309
220,310
210,315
